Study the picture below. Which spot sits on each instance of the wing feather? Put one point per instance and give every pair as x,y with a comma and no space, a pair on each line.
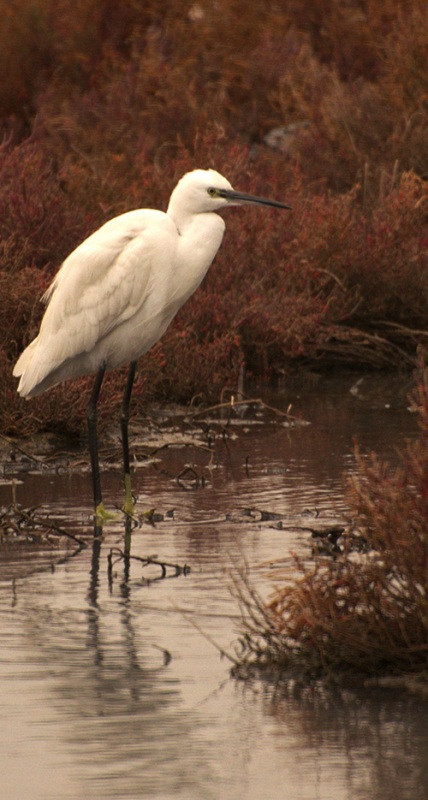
103,283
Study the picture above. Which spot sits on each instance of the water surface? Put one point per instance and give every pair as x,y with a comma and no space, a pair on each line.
111,687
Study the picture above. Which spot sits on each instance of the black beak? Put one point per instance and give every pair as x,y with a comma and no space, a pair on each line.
238,198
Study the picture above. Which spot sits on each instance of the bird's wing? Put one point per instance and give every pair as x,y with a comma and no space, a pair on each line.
102,284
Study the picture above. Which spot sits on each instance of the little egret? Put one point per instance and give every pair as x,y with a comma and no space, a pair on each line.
115,295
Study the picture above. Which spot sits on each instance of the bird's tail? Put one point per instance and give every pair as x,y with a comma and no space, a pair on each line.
27,369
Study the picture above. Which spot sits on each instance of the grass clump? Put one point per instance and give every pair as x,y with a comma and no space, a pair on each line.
356,614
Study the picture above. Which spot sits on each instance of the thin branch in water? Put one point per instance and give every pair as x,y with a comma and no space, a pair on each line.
209,639
116,554
28,516
245,402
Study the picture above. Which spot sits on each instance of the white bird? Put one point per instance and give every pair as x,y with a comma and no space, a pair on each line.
115,295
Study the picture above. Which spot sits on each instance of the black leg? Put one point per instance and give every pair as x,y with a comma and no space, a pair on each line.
91,415
124,420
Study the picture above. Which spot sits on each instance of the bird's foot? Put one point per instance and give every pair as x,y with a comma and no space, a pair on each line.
128,507
128,503
102,515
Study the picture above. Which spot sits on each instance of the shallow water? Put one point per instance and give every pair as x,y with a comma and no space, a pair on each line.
113,687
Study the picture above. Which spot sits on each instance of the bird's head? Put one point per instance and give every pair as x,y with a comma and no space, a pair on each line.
204,190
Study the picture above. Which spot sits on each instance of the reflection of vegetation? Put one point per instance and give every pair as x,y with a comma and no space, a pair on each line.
32,542
27,526
104,105
361,613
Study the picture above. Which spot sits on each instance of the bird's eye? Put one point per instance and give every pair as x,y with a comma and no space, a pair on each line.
212,192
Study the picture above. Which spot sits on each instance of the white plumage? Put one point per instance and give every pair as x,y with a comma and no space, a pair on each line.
118,291
116,294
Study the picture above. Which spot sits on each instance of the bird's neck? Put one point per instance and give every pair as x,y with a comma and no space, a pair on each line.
200,236
197,226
